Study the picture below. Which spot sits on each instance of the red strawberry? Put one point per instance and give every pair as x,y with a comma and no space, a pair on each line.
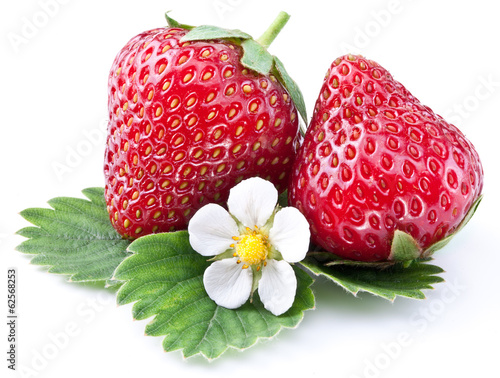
375,160
187,122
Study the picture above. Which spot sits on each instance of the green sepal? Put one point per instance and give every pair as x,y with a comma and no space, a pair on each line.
74,238
164,277
292,88
228,253
283,198
404,247
256,57
397,279
255,54
209,32
443,242
174,24
257,275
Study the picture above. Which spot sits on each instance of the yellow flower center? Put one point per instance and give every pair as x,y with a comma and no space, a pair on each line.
252,248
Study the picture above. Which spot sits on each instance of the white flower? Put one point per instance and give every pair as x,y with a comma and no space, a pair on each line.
253,243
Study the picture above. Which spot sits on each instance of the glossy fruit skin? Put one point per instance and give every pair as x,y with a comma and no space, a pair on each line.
374,159
186,123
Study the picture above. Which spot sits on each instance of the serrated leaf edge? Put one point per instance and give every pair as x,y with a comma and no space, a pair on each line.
92,195
227,347
418,294
258,339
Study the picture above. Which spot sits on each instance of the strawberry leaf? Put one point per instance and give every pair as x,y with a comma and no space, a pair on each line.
292,88
164,277
388,282
206,32
74,238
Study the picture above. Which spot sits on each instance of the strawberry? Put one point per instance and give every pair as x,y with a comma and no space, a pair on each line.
191,114
375,162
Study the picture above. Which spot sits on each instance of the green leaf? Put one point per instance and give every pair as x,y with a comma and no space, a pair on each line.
74,238
292,88
164,276
404,247
256,57
387,282
206,32
443,242
377,265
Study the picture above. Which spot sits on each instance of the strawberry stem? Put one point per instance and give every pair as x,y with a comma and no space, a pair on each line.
274,29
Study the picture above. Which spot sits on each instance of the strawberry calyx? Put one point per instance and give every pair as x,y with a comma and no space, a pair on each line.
174,24
208,32
404,249
441,243
255,55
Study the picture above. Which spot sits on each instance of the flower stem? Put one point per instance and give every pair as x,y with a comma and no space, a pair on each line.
272,32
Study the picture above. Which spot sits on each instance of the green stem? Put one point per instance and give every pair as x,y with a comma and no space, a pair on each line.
272,32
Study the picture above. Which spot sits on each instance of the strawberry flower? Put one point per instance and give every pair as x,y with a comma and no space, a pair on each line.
253,244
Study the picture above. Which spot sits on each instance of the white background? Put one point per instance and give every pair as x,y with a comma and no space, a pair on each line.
53,102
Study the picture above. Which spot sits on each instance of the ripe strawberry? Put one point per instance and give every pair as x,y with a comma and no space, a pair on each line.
187,122
375,160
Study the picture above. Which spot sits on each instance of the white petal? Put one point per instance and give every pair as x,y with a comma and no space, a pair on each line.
227,284
290,234
277,286
211,230
252,201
